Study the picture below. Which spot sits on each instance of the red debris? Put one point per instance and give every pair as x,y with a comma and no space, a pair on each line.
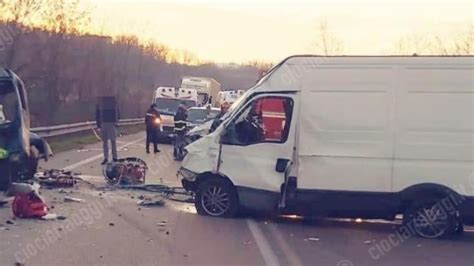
29,205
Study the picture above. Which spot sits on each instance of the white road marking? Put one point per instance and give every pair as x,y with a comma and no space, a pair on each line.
290,255
97,157
267,253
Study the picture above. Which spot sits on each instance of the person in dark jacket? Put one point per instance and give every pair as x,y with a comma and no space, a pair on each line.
152,121
180,127
107,117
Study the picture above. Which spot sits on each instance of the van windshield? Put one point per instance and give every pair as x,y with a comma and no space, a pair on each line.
8,102
236,105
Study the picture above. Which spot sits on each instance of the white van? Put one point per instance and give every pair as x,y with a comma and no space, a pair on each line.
368,137
167,100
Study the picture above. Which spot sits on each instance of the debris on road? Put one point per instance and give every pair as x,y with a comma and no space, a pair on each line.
22,188
167,192
129,170
314,239
111,224
50,217
10,222
29,205
148,202
71,199
368,242
3,202
162,223
56,179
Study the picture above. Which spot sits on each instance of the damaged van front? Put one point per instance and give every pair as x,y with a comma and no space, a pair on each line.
20,149
243,163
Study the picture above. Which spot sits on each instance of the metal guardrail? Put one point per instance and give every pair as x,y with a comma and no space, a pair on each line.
59,130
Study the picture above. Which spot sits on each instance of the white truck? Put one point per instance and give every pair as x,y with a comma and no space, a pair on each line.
167,100
360,137
229,96
207,89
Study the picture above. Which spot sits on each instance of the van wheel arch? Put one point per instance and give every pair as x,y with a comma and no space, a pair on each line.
422,198
209,175
424,191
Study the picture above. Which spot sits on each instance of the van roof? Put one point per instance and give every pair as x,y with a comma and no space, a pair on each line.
288,74
379,59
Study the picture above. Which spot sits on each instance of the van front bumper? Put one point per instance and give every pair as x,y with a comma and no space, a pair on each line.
186,174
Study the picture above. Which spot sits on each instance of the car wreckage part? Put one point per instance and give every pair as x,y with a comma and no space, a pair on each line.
125,171
29,205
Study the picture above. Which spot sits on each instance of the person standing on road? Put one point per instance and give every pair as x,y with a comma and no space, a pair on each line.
180,126
217,120
152,121
107,117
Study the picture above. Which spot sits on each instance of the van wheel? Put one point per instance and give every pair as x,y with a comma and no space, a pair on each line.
430,220
216,197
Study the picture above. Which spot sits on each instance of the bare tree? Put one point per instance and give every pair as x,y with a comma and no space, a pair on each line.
16,17
464,44
62,19
19,11
327,43
65,16
436,44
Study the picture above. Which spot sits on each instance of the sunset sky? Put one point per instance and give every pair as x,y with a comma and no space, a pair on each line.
239,31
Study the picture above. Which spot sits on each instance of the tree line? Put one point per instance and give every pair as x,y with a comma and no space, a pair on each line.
65,69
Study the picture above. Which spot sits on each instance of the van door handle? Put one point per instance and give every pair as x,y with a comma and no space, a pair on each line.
281,165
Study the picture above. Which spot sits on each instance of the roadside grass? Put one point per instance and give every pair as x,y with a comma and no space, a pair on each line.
79,140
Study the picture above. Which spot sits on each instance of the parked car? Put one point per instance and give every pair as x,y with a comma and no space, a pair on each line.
361,137
200,115
167,100
20,149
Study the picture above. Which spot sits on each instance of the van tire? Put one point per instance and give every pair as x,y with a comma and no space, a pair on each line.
224,195
439,223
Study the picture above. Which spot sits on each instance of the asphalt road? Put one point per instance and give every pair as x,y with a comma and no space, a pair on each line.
110,229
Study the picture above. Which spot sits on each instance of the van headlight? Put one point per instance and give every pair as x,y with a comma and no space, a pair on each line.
187,174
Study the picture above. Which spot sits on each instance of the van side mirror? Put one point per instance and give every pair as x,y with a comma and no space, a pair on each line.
281,165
